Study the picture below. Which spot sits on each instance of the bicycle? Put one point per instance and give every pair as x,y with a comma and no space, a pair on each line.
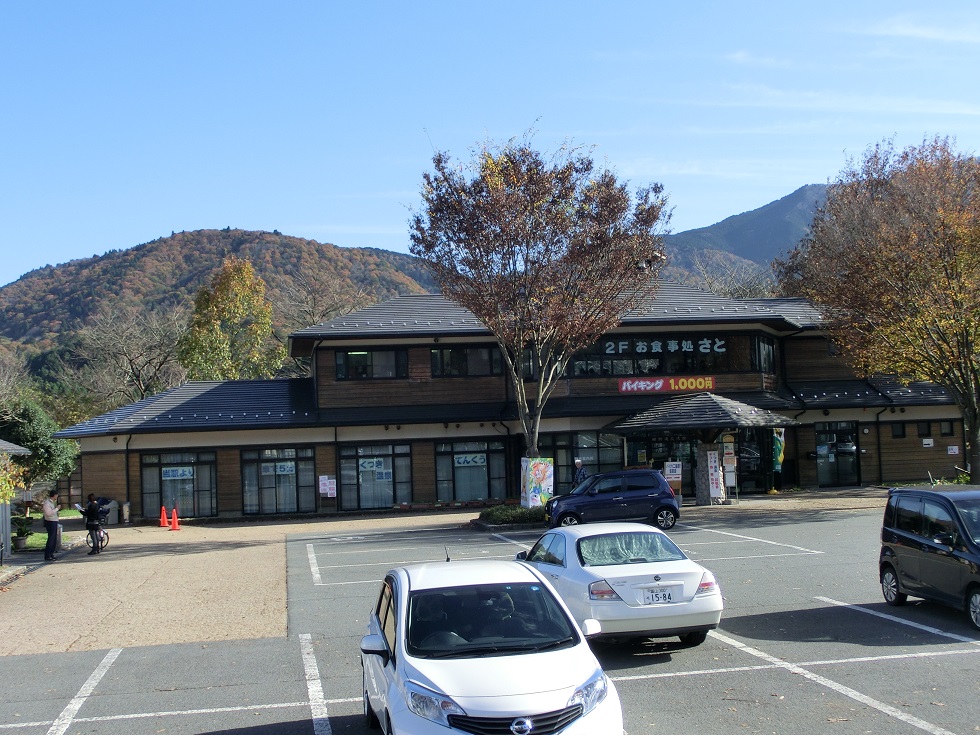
103,538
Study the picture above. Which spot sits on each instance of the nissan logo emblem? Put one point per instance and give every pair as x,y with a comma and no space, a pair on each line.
522,726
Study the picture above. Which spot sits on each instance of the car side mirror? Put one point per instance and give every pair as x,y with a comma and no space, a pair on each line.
593,491
521,556
591,627
946,539
374,645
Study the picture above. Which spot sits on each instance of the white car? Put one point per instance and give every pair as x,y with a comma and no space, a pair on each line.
481,646
631,578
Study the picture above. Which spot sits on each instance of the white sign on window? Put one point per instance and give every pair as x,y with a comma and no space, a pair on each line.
177,473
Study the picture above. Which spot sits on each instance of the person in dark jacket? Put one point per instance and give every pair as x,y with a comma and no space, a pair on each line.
92,523
581,474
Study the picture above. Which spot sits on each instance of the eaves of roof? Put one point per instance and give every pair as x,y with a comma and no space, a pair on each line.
875,392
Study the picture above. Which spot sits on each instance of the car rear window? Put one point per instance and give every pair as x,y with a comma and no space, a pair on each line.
627,548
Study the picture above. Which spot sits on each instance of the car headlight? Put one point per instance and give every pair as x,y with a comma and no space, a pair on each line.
431,705
590,694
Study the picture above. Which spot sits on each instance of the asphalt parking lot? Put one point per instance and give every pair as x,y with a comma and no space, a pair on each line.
806,644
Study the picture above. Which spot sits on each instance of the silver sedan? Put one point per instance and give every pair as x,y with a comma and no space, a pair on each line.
631,578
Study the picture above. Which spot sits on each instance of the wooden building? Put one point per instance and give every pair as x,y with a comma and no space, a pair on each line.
407,405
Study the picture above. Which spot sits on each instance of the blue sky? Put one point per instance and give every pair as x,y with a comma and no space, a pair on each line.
124,121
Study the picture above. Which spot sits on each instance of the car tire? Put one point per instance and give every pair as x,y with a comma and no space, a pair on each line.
890,588
665,518
973,606
568,519
695,638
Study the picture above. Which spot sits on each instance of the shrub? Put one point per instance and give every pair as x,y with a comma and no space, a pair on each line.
504,514
22,525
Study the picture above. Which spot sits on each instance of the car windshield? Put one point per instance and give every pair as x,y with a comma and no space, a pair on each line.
969,510
627,548
486,620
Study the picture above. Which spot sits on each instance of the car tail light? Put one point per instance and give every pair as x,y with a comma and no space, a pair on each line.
708,585
602,591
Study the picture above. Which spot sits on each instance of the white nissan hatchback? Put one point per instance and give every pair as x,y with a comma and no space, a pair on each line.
481,646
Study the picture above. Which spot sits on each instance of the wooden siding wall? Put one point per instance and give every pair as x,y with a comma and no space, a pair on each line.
104,475
423,472
229,490
325,461
422,389
810,359
419,389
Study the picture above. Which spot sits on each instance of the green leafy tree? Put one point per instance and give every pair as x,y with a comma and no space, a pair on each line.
11,477
893,260
30,427
548,254
230,336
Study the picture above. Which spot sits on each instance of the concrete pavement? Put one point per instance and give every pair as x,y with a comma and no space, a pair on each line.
227,581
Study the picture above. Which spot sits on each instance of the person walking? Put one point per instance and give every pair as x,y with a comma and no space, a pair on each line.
92,523
581,474
50,509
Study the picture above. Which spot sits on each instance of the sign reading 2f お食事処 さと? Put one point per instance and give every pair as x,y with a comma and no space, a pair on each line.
666,385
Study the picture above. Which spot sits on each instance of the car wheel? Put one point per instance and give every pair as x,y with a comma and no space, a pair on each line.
568,519
889,587
694,639
666,518
973,606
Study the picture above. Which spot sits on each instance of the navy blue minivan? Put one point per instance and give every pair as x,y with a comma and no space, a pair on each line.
625,495
930,547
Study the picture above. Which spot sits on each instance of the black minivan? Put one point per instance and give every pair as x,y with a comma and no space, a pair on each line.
930,547
625,495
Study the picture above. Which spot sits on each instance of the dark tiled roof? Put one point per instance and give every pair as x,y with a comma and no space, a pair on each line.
880,391
433,315
701,411
209,406
11,448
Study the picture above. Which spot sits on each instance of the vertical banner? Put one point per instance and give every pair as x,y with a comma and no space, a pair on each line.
537,481
778,446
715,487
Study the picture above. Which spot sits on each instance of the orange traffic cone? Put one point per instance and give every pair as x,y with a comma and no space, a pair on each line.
174,523
163,517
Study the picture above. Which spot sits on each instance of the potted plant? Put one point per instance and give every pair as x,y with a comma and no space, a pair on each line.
22,529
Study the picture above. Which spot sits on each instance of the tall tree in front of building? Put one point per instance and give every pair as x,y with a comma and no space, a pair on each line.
893,259
548,253
29,426
230,336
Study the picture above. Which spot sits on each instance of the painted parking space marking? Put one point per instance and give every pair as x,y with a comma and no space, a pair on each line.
833,686
902,621
314,687
756,539
65,719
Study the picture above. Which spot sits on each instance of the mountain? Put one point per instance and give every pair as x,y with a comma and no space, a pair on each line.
759,236
56,300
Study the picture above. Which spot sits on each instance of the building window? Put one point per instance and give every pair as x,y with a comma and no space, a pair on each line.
667,354
924,428
186,481
599,452
946,428
278,481
898,431
471,470
466,361
372,364
375,476
763,354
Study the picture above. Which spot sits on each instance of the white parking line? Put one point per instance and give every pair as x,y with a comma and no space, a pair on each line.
751,538
896,619
318,705
833,685
314,568
61,725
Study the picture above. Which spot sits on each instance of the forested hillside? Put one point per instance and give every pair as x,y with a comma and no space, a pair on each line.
57,300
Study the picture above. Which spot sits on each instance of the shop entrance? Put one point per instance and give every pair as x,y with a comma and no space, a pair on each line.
837,454
654,451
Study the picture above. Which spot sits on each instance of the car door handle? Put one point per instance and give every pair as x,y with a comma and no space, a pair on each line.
619,498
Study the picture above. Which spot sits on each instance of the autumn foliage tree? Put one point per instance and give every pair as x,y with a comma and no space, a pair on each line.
548,254
230,336
893,260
